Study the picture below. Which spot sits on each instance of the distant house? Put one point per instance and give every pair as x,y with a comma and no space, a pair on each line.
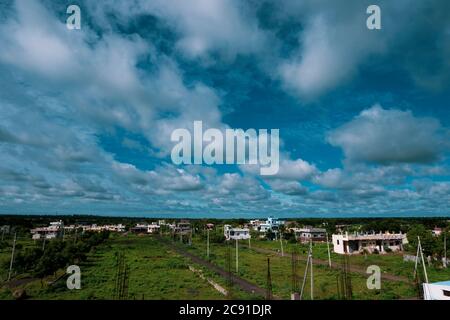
358,243
146,228
254,224
99,228
436,231
271,224
182,228
236,233
54,230
308,234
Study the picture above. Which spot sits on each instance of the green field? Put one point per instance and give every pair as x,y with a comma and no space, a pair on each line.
155,273
158,272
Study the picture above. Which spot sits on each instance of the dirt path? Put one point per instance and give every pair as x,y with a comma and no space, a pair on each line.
240,282
334,265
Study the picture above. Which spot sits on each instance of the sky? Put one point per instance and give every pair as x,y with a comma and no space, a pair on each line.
86,115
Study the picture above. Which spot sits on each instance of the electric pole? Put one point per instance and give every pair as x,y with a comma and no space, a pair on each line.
207,243
445,250
12,256
281,243
329,254
237,255
312,275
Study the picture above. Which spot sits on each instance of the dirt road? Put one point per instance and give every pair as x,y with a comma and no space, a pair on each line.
240,282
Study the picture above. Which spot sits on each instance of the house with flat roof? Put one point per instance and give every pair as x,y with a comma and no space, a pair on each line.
145,228
231,233
54,230
307,234
271,224
368,242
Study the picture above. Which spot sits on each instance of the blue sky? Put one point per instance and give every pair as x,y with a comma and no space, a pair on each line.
86,115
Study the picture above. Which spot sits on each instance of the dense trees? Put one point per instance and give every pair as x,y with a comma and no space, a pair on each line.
57,254
431,245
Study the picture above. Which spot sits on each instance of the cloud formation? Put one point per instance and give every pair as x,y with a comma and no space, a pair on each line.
390,136
86,115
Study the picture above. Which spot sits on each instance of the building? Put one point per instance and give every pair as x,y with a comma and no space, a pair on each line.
308,234
254,224
110,227
146,228
271,224
231,233
54,230
436,291
358,243
182,228
436,231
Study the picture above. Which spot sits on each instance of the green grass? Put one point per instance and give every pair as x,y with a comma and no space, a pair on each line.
157,272
389,263
253,267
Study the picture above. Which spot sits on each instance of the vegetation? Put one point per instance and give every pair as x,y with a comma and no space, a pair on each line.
157,272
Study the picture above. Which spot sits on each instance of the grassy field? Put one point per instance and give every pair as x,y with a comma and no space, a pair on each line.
389,263
157,272
253,267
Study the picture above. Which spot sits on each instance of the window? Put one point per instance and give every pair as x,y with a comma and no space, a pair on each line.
446,293
337,241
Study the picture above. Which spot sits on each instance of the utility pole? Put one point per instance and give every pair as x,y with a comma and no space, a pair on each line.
249,242
43,244
237,255
281,242
3,234
309,264
12,256
207,243
269,294
445,250
329,254
419,250
312,275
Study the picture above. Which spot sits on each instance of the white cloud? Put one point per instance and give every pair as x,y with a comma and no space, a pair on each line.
389,136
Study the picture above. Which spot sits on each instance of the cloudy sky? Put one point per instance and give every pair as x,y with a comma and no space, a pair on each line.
86,115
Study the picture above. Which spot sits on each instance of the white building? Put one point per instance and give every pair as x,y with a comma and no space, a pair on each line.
54,230
357,243
271,224
110,227
236,233
146,228
436,231
255,224
436,291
